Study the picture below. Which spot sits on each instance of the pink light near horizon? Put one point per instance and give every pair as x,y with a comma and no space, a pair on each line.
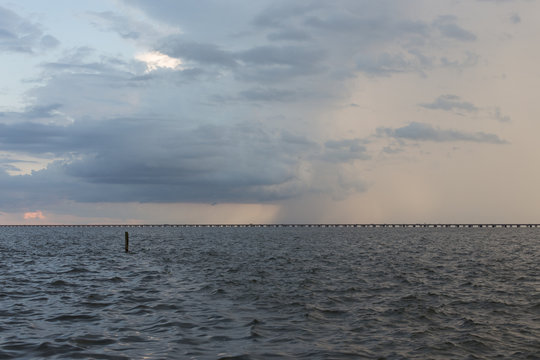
34,215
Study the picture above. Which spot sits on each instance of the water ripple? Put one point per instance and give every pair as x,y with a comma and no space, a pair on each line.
251,293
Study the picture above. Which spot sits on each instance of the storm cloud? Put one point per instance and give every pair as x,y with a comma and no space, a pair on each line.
213,102
133,160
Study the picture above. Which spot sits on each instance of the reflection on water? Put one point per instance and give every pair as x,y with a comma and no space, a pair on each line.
258,293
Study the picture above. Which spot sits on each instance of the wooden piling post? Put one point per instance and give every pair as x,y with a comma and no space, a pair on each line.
127,242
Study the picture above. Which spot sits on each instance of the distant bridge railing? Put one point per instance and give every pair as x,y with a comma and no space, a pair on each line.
404,225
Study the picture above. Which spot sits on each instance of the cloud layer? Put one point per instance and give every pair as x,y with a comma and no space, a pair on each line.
238,103
425,132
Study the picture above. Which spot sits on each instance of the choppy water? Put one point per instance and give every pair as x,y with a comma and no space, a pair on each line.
263,293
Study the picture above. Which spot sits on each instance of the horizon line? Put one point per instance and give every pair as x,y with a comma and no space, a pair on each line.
371,225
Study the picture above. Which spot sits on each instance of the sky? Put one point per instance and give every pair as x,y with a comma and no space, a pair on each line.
269,111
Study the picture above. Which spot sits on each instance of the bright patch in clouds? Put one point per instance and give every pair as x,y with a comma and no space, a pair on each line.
34,215
155,60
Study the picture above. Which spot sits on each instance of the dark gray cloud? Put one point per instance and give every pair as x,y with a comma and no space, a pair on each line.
20,35
498,115
369,29
450,103
271,64
425,132
290,59
148,161
392,150
386,64
269,95
345,150
469,59
84,60
515,18
497,1
328,38
201,17
31,113
203,53
8,164
289,34
91,86
449,28
35,138
12,161
293,56
279,14
43,111
455,104
126,27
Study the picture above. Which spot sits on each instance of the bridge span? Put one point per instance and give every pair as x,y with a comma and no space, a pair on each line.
423,225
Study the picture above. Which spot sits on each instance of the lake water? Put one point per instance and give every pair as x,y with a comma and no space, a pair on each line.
269,293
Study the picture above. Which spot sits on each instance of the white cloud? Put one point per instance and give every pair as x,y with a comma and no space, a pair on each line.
155,60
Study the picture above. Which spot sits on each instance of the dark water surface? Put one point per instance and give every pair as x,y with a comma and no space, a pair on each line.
270,293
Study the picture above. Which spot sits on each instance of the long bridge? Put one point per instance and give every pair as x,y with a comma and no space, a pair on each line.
403,225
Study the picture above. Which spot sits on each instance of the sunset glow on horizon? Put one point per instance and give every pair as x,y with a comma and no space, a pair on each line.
34,215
